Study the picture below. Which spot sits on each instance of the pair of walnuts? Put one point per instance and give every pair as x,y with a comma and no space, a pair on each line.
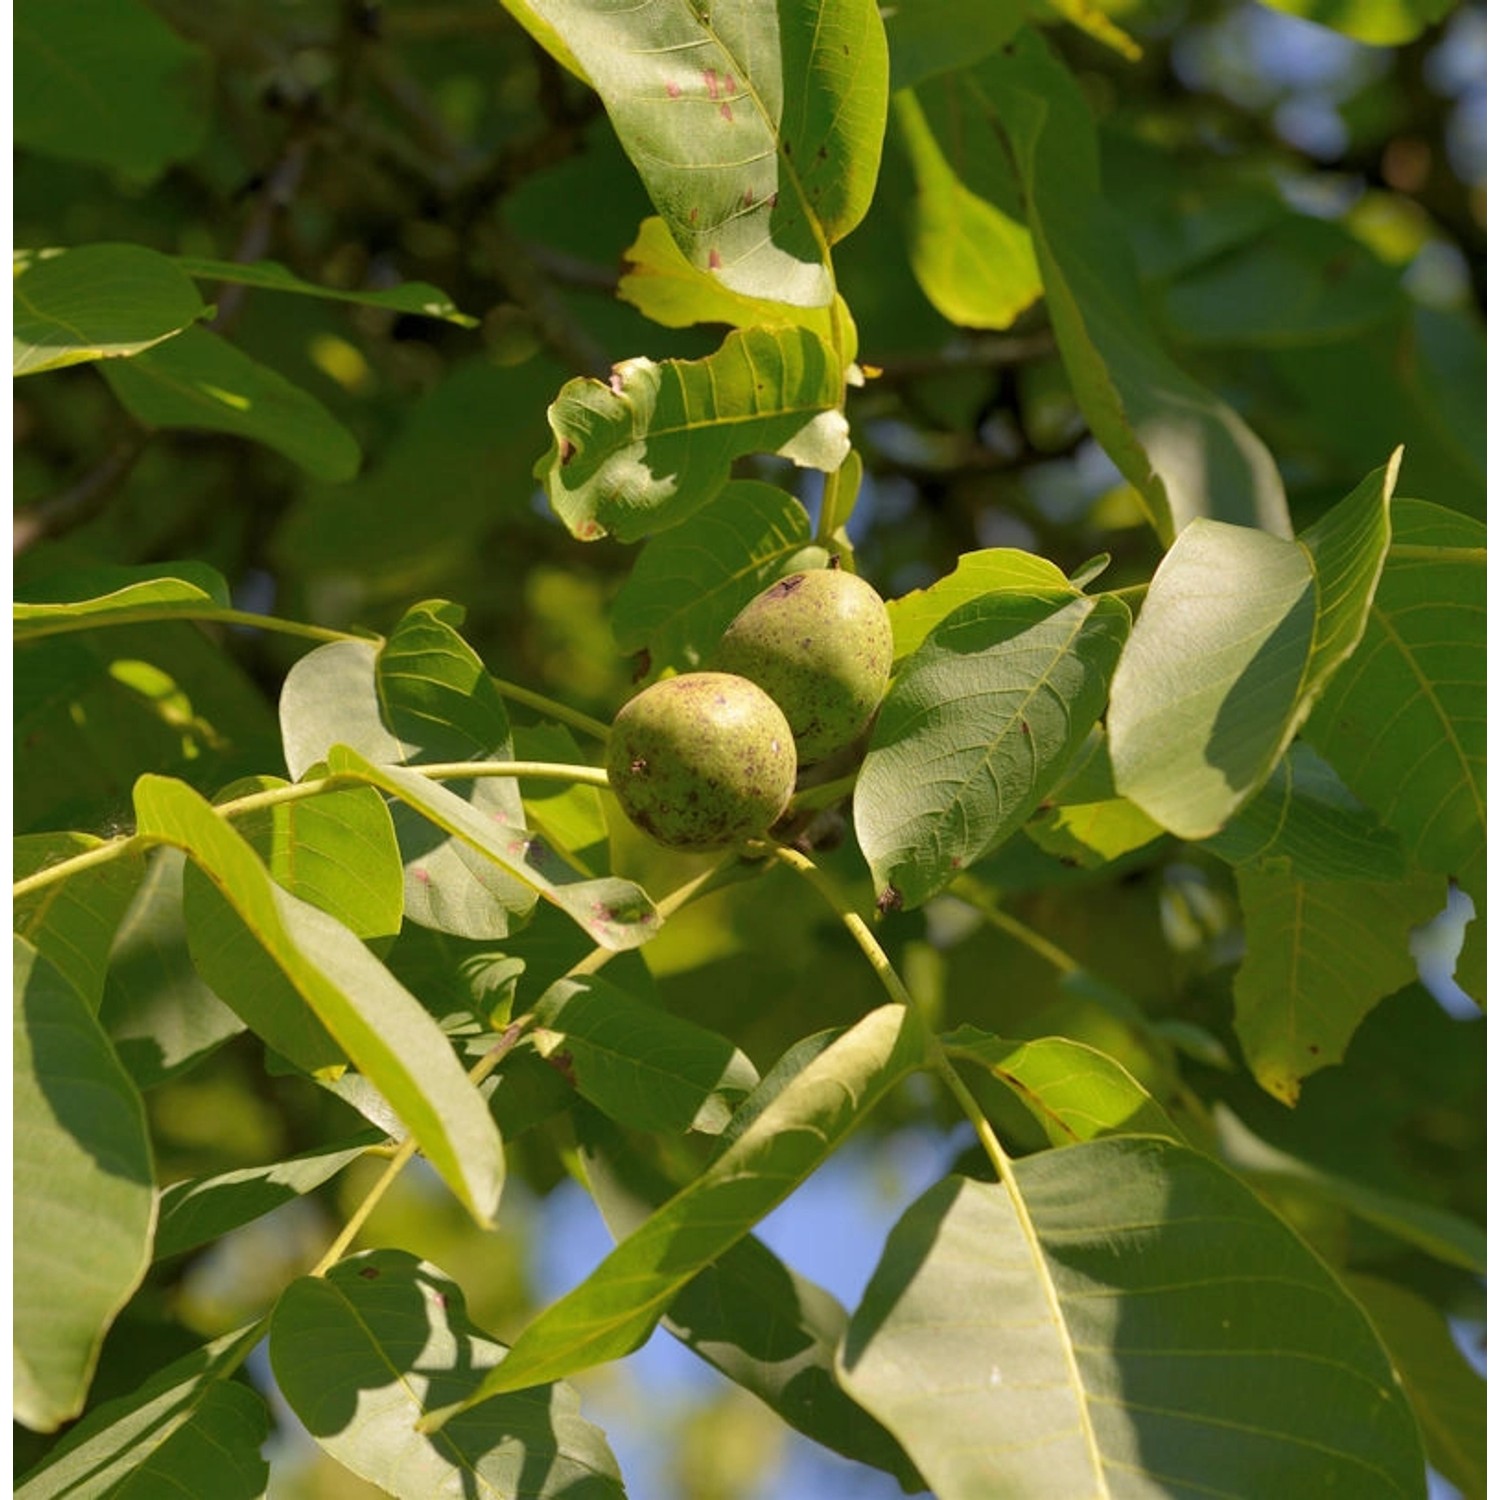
706,760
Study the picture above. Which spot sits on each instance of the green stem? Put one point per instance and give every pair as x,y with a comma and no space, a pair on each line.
32,630
551,708
969,891
825,794
539,770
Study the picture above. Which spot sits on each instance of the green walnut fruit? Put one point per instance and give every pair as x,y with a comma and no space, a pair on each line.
820,644
702,761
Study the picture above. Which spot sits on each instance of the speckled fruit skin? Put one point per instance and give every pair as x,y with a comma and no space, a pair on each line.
820,644
702,761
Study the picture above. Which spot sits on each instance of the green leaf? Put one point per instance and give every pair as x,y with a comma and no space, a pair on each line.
974,262
422,697
756,130
1238,635
1446,1392
198,382
96,302
616,913
1381,23
410,297
748,1314
982,719
1084,820
1319,955
570,817
669,289
927,37
641,1065
1306,823
196,1211
363,1352
995,570
72,922
337,852
109,83
119,596
162,1019
1444,1235
1186,452
84,1197
645,451
1073,1091
1123,1318
687,585
188,1430
383,1029
1403,722
615,1308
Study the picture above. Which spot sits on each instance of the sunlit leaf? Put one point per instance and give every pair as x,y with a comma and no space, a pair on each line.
1319,955
188,1430
1124,1319
1186,452
119,595
410,297
974,262
755,128
1073,1091
382,1029
96,302
688,584
199,382
641,1065
1239,633
363,1352
981,720
615,1308
645,451
107,82
84,1197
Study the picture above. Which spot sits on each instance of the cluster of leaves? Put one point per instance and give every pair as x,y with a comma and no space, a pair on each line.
1190,800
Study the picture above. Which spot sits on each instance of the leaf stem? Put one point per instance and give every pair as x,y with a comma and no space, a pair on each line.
971,893
33,630
551,708
539,770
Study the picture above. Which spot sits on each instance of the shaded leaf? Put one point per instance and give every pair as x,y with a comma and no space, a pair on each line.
756,129
96,302
645,451
1239,633
1073,1091
981,720
196,1211
1306,823
107,82
748,1314
72,922
161,1017
199,382
1446,1392
381,1027
1319,955
570,817
688,584
1403,722
1124,1319
995,570
410,297
1186,452
84,1197
937,36
641,1065
363,1352
616,913
120,595
615,1308
974,262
